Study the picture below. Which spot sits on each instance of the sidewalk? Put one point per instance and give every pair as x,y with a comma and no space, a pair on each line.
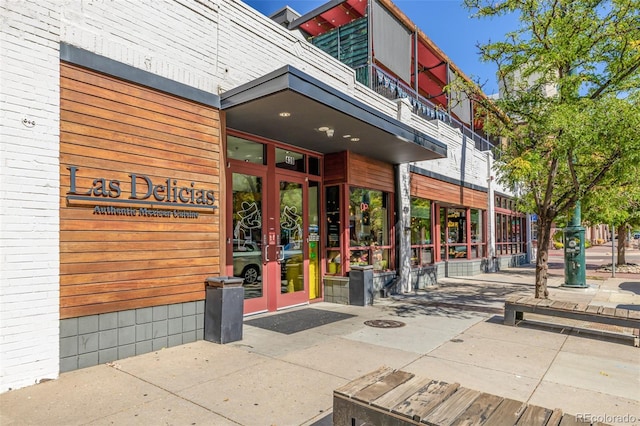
453,333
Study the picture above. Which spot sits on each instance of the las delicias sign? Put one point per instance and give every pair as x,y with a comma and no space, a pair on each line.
167,198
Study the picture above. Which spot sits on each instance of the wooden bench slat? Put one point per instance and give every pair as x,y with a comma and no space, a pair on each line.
451,408
622,313
610,312
507,413
426,399
382,386
556,417
570,420
534,415
632,314
361,382
558,304
593,309
400,393
479,410
544,302
581,307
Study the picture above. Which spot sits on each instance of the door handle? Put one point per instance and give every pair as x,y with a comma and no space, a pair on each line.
265,253
280,249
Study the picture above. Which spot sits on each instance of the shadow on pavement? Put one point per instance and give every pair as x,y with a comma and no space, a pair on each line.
630,286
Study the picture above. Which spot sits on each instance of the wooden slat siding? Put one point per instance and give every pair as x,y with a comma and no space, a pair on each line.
445,192
110,129
335,168
97,288
368,173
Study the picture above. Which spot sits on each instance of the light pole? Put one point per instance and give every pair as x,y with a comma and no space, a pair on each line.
575,267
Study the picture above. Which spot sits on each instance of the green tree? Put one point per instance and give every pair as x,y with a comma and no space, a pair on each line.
569,104
618,204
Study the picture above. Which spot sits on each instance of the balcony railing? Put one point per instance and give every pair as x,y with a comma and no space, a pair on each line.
393,88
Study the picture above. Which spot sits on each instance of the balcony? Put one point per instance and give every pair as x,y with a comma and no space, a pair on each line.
393,88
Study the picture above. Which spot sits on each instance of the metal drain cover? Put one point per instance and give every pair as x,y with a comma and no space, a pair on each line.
384,323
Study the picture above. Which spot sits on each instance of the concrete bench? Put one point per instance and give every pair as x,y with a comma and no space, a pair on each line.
399,398
516,306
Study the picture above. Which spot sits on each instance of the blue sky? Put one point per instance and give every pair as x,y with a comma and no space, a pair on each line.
446,22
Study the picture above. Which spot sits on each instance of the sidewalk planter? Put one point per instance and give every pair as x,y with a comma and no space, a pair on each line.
464,268
423,277
223,309
338,289
510,261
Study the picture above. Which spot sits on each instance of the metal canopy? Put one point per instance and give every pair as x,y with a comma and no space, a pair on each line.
322,119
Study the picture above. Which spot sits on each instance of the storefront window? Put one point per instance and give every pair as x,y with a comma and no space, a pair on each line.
369,239
477,237
457,233
244,150
510,229
334,264
421,242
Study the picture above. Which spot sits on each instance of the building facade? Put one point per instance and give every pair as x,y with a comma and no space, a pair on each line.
202,139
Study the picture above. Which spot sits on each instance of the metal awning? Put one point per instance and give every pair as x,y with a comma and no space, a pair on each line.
290,106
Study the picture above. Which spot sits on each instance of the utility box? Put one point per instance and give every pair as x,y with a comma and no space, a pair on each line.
223,307
361,285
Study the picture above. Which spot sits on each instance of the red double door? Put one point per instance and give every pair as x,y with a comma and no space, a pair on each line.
273,235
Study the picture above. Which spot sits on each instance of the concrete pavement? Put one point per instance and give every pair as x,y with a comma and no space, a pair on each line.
453,333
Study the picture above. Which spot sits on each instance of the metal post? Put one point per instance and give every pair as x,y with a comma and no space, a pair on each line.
574,258
613,251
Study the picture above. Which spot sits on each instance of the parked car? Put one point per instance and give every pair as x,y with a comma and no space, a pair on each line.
636,236
247,261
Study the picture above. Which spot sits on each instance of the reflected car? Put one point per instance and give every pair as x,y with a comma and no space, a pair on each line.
247,261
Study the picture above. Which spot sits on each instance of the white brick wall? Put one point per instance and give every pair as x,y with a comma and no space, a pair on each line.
29,192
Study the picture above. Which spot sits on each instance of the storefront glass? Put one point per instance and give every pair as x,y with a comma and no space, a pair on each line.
457,233
332,243
369,240
477,236
421,242
244,150
510,228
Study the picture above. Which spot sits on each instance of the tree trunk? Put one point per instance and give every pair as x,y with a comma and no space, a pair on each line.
622,243
542,257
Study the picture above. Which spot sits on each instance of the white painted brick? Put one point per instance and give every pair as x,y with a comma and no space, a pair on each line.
29,190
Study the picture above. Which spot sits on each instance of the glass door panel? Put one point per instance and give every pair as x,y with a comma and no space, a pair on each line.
313,271
247,224
290,252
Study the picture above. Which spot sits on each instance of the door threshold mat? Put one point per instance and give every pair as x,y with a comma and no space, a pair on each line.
295,321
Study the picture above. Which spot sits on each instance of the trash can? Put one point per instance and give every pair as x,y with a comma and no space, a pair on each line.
223,309
361,285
